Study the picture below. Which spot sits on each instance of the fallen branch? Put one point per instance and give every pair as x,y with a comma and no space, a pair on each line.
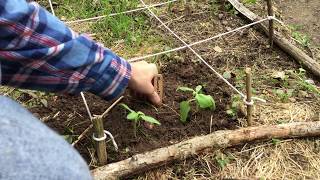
219,139
281,41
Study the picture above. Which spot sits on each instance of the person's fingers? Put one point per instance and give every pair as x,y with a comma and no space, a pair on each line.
153,69
154,98
141,62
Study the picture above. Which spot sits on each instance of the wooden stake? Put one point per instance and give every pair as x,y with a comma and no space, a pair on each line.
218,139
271,29
100,145
249,95
158,85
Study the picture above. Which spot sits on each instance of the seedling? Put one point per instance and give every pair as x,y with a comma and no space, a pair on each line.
137,117
275,141
284,95
223,160
202,100
233,110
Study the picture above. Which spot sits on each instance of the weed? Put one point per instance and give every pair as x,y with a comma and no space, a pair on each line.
275,141
233,110
202,100
137,117
229,8
250,1
283,95
214,7
303,83
223,160
68,135
303,39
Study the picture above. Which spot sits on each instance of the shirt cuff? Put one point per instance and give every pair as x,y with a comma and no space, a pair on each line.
113,82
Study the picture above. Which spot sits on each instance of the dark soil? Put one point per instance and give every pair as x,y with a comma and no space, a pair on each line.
171,129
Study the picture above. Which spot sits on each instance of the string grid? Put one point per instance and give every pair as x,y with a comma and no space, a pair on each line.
185,45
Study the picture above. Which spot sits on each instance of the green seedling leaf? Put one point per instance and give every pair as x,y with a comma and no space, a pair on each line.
231,112
205,101
227,75
275,141
184,111
68,138
150,119
250,1
126,107
140,113
198,89
185,89
222,162
133,116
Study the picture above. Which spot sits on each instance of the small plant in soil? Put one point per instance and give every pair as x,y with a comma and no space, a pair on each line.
223,160
233,110
202,101
136,117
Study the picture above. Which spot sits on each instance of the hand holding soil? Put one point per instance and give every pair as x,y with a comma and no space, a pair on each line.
141,80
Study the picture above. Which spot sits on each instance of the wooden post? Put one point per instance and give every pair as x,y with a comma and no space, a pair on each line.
271,29
249,95
100,145
158,85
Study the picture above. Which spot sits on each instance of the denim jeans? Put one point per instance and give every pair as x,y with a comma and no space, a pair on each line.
29,150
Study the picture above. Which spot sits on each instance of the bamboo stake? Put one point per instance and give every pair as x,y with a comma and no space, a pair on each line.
271,29
100,145
249,95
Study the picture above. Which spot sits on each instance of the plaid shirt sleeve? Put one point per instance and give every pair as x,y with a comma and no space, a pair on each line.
38,51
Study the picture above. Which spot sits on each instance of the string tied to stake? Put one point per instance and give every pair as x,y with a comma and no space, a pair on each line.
104,137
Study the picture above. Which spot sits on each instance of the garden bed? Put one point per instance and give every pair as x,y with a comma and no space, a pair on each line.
182,69
248,48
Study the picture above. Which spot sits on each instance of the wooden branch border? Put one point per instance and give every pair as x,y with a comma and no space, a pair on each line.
220,139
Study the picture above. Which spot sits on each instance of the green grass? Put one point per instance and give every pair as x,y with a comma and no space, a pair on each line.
129,28
131,32
79,9
28,98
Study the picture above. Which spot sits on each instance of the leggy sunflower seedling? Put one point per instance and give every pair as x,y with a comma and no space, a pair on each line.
202,100
137,117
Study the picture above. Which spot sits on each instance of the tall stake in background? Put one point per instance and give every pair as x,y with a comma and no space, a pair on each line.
271,29
249,95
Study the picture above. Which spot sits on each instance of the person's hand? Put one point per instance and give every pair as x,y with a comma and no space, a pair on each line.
142,74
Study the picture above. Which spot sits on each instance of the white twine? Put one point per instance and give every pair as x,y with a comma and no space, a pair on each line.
51,7
104,138
86,105
201,41
248,103
206,63
125,12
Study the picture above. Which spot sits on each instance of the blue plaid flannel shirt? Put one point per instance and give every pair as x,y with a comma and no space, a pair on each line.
38,51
